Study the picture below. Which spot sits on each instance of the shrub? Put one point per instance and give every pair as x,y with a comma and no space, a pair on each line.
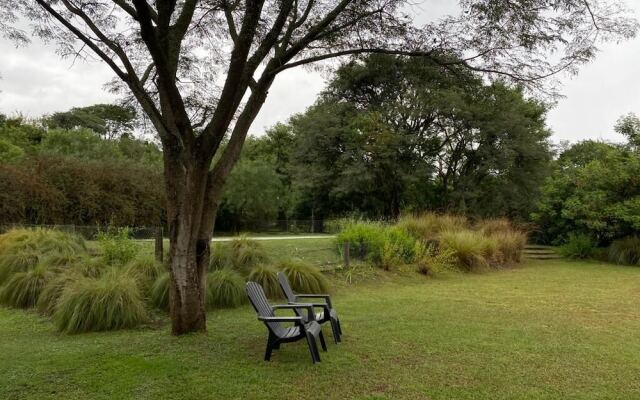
219,257
469,248
225,288
391,255
427,226
267,277
366,239
625,251
110,302
117,247
578,246
304,278
23,288
245,253
145,269
431,261
160,292
402,241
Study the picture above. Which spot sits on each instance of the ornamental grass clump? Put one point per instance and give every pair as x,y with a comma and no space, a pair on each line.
48,299
145,269
469,247
225,289
427,226
625,251
160,292
22,289
511,244
267,276
245,253
430,260
304,278
112,301
21,250
219,257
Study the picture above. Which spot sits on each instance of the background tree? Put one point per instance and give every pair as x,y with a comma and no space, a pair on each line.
170,54
108,120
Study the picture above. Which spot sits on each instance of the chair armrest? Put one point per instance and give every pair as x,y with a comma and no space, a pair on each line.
280,319
326,297
294,306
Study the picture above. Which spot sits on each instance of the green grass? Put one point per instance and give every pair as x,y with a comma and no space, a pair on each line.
550,330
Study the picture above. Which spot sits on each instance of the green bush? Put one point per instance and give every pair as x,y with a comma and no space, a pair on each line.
578,246
402,241
304,278
469,247
267,277
625,251
225,288
117,247
245,253
430,260
366,239
145,269
112,301
23,288
160,292
390,255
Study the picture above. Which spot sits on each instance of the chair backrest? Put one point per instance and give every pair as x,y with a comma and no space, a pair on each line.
260,303
286,288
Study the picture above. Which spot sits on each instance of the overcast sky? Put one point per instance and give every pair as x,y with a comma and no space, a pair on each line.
36,81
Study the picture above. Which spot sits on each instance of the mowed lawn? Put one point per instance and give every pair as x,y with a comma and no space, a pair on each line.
547,330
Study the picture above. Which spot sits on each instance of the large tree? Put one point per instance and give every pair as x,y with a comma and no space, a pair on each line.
201,70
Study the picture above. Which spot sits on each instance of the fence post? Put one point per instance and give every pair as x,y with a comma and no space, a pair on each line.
345,254
159,243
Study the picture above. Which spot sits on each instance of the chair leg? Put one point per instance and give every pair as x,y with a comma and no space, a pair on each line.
322,342
339,326
335,327
267,354
311,343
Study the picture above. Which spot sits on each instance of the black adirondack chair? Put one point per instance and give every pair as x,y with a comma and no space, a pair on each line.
304,328
328,313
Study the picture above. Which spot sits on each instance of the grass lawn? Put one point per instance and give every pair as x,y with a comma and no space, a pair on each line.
547,330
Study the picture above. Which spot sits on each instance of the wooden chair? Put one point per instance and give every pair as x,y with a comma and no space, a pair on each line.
328,313
303,328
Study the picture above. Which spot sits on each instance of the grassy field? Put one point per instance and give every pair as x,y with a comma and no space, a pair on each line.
548,330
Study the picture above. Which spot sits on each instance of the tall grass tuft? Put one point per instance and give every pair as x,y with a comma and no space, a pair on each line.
18,261
469,247
427,226
267,276
160,292
225,289
219,257
112,301
625,251
430,260
304,278
511,244
23,288
245,253
145,269
493,226
52,291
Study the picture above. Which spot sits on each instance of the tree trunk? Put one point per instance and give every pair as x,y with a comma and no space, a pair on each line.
190,219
